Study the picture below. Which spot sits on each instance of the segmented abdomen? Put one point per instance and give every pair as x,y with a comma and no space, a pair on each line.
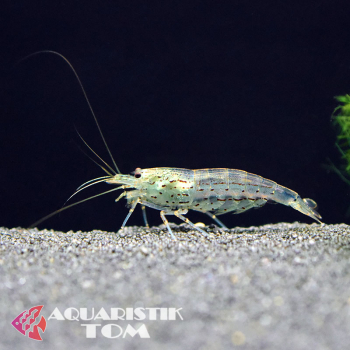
227,190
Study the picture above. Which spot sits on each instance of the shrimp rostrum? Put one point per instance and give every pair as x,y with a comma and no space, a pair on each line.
175,191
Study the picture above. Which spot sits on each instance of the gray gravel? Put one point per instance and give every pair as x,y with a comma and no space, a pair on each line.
284,286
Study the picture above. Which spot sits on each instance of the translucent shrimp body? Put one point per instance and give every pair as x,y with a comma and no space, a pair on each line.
174,191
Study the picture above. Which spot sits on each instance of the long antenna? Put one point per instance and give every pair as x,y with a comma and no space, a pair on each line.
108,166
85,95
72,205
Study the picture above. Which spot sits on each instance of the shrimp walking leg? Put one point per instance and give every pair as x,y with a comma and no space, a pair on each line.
130,212
180,216
144,215
219,222
166,223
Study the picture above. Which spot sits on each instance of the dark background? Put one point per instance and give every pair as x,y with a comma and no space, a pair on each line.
192,84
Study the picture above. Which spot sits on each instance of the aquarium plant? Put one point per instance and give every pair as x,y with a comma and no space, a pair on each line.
341,119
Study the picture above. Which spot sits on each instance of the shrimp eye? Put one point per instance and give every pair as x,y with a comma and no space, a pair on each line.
137,173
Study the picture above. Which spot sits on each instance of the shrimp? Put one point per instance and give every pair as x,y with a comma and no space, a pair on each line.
175,191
